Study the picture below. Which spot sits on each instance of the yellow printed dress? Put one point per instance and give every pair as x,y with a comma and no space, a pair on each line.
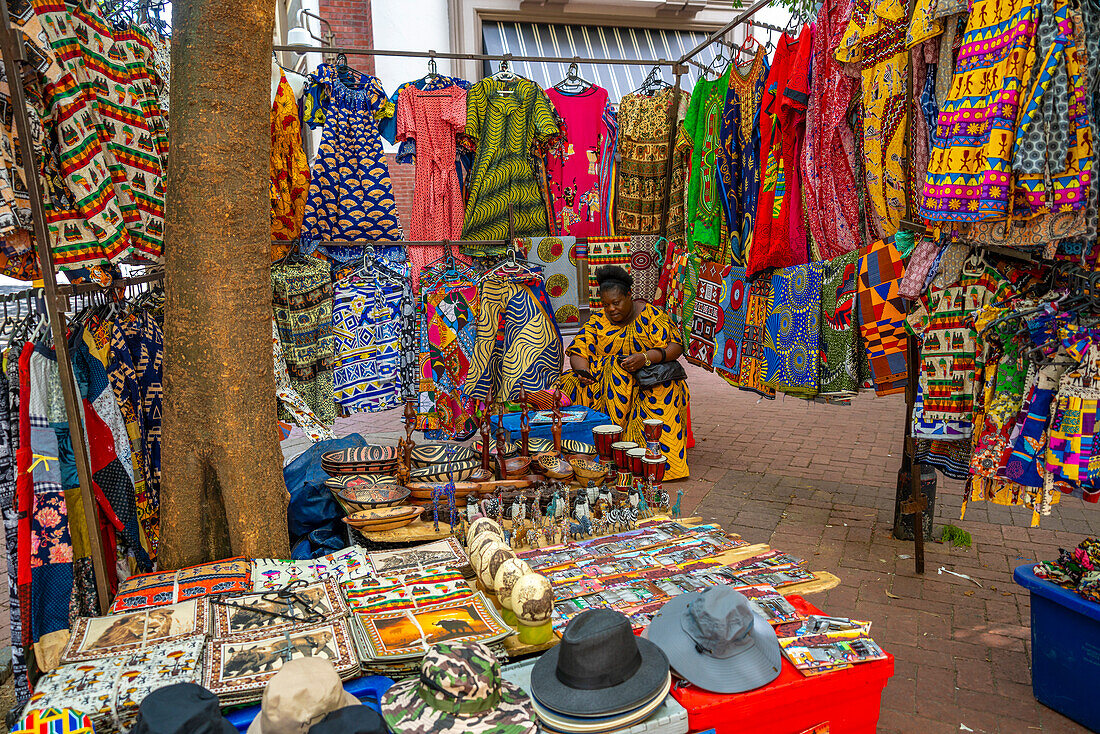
506,117
289,169
616,391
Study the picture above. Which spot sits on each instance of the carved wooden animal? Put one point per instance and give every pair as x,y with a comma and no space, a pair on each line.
532,538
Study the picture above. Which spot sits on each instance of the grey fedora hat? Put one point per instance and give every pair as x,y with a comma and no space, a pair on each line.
714,640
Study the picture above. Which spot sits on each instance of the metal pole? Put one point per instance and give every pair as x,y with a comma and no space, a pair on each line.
741,18
12,48
472,57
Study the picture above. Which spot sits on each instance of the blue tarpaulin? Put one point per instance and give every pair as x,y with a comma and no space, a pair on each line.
313,517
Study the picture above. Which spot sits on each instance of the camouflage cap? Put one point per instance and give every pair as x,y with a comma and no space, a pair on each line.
460,689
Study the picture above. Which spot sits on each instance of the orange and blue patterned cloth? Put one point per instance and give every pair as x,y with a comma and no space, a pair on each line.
54,721
882,315
793,328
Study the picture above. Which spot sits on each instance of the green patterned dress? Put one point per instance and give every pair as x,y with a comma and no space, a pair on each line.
506,118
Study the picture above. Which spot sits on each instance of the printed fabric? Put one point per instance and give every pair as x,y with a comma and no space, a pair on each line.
574,176
646,255
794,331
108,200
703,125
111,689
644,154
839,334
518,344
875,42
1072,454
604,251
289,169
303,315
350,195
828,159
739,154
706,315
753,375
289,399
9,441
734,305
558,258
231,576
506,118
780,237
949,348
432,119
447,333
366,331
882,315
616,392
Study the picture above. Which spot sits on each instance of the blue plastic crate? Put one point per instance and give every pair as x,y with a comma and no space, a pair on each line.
368,690
1065,649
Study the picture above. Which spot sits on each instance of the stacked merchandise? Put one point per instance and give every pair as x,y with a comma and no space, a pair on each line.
1077,570
820,644
116,358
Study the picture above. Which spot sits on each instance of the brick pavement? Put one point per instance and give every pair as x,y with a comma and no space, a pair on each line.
818,481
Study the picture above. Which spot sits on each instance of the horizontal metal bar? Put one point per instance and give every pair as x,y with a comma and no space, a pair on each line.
74,288
347,51
741,18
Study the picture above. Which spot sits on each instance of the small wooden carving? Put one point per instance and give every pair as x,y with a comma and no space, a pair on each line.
524,425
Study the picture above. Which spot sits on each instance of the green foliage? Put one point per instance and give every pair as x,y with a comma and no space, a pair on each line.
957,537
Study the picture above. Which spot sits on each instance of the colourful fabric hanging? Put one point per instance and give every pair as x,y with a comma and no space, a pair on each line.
794,330
574,178
882,315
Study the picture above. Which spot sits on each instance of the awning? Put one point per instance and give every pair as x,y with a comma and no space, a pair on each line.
597,42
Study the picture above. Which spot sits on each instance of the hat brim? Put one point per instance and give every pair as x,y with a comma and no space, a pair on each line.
554,721
551,693
756,664
256,727
405,711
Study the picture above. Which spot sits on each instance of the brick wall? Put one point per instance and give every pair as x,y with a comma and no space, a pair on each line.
352,24
403,177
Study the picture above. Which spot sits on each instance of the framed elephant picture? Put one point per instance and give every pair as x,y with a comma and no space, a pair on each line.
400,634
239,666
295,604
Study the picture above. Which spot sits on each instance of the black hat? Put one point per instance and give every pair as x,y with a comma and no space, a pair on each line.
351,720
182,708
599,668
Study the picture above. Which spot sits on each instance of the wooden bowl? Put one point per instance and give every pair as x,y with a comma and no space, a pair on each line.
578,449
423,490
554,467
541,445
459,470
433,454
383,518
369,459
516,467
589,471
356,498
511,448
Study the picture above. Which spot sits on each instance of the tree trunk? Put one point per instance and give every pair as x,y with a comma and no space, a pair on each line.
222,485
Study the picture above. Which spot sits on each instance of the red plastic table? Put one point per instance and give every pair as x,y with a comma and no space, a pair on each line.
846,700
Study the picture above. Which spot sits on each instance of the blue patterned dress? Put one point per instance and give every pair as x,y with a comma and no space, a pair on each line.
350,195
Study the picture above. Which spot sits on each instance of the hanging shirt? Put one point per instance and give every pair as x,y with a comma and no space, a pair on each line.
574,177
739,153
703,125
289,169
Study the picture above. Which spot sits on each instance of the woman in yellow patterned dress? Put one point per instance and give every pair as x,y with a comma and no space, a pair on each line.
605,356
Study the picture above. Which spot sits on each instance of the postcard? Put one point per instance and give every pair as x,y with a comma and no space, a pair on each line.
777,578
406,591
292,606
817,624
99,637
818,652
409,633
770,604
445,553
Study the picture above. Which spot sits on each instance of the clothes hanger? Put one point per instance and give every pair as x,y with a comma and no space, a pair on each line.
717,66
504,74
376,267
573,83
653,83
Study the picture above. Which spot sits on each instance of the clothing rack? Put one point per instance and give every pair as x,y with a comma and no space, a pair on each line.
56,298
349,51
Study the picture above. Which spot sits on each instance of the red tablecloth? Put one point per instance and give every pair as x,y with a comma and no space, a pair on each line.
846,700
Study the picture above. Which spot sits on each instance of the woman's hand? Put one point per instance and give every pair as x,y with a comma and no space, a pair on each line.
633,362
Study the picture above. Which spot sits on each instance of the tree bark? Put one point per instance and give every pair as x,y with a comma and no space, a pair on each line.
222,489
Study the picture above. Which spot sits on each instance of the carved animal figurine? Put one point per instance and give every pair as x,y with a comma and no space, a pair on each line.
485,437
519,511
633,497
592,492
581,508
536,508
524,425
556,428
473,508
676,507
437,494
533,538
631,518
660,499
605,495
643,506
489,506
556,509
548,533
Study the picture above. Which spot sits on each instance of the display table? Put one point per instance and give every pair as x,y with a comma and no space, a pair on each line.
1065,648
578,431
847,700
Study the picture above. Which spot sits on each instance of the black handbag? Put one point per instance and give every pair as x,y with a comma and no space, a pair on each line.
660,373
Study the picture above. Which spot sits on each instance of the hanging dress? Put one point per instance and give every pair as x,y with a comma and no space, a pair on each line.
506,117
289,169
350,195
704,126
575,177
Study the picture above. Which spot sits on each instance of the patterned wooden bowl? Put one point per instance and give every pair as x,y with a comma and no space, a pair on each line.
511,448
423,490
458,470
589,471
578,448
431,454
541,445
383,518
554,467
369,496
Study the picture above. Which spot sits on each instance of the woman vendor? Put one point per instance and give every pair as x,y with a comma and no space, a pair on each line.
605,356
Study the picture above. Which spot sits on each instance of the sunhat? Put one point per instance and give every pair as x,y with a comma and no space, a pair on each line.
300,695
714,640
599,668
182,708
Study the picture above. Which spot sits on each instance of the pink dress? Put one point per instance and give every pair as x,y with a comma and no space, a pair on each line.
432,118
574,179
